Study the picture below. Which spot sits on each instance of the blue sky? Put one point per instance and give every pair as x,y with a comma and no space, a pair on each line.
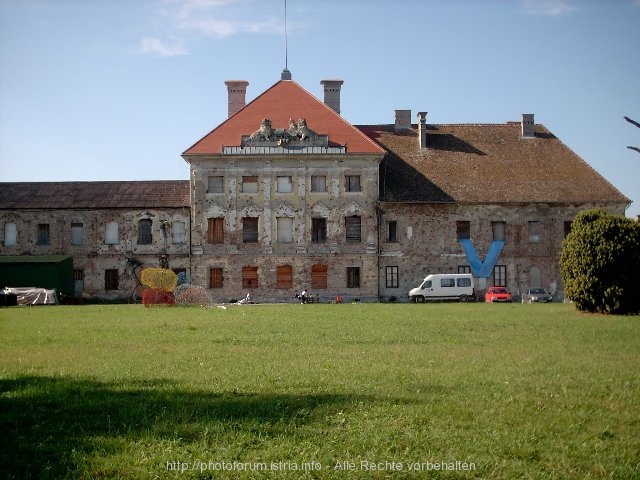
118,89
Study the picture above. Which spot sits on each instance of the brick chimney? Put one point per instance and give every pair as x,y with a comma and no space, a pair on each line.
422,129
403,120
237,89
528,125
332,93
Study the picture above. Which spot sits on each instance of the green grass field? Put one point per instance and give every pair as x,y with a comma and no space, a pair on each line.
319,391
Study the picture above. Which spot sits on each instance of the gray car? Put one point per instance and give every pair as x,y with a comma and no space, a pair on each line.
532,295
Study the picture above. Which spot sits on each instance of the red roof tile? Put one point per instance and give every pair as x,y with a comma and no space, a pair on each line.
285,100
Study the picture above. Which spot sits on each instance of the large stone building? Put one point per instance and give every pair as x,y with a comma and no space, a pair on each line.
286,194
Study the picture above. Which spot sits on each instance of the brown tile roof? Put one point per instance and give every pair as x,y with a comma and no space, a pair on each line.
485,164
80,195
285,100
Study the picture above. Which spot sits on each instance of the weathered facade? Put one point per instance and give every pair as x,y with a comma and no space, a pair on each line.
285,195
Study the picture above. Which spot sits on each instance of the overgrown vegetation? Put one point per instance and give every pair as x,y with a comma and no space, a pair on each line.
520,391
600,263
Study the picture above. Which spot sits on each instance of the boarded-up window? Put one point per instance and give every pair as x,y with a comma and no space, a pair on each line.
215,278
43,234
353,229
284,185
111,236
284,276
111,279
319,277
353,277
318,183
145,236
77,234
535,231
250,230
10,234
352,183
250,184
249,277
215,230
318,230
463,230
215,184
178,233
284,227
499,230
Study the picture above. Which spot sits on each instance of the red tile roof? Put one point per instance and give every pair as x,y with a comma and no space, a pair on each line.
285,100
486,164
81,195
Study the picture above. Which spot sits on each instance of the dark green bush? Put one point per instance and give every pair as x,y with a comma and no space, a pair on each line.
600,263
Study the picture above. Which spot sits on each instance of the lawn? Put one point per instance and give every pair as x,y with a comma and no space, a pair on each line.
319,391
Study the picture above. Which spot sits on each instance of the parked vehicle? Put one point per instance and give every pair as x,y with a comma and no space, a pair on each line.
450,286
497,294
532,295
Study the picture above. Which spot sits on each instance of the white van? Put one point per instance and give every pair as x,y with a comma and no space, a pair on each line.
444,286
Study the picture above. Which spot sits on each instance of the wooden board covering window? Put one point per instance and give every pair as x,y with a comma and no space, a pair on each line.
215,278
249,277
284,276
215,230
353,227
319,277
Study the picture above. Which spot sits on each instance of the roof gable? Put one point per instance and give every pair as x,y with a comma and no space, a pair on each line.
284,101
486,163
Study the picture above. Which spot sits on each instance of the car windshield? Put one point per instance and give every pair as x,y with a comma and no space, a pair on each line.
538,290
500,290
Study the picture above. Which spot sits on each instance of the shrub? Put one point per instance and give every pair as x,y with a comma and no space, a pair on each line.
159,279
600,263
152,296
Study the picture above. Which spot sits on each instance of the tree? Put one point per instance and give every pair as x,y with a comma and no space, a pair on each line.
600,263
633,122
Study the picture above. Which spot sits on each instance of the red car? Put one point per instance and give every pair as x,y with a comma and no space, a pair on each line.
497,294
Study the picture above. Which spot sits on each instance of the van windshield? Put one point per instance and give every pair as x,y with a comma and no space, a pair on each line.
426,284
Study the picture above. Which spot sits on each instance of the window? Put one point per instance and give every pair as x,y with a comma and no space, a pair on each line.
145,237
318,230
284,230
392,277
500,276
178,233
464,269
215,230
77,234
499,230
111,279
353,277
215,278
250,230
111,236
284,185
318,277
284,276
318,183
392,231
10,235
43,234
250,184
249,277
535,231
447,282
463,230
463,282
567,228
215,184
353,229
352,183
